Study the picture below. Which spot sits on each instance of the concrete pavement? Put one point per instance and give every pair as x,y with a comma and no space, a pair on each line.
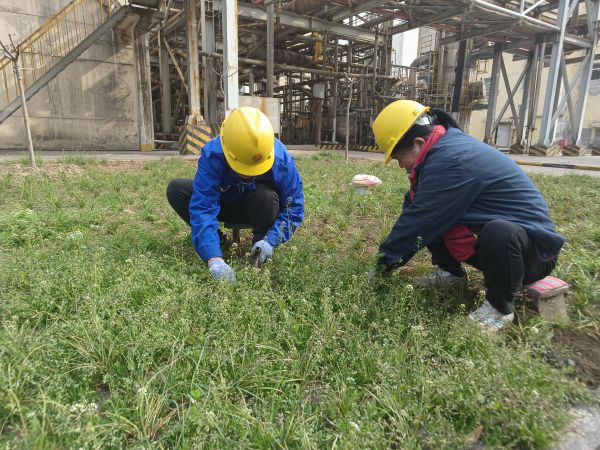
7,156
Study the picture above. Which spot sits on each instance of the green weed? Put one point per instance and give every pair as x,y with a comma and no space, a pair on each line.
114,335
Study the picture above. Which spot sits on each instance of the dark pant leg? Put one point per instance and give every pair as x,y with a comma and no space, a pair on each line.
262,205
179,193
508,257
440,256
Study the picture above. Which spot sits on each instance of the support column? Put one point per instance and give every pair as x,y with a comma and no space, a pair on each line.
193,59
196,132
210,81
270,48
594,17
529,77
251,82
165,90
546,132
230,55
144,92
334,102
533,105
493,96
458,79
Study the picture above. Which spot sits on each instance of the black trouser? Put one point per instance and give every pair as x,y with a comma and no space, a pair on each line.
260,207
506,255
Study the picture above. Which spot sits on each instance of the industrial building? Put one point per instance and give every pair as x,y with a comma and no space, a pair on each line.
146,74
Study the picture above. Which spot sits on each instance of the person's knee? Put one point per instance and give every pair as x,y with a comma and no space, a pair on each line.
263,196
496,236
174,189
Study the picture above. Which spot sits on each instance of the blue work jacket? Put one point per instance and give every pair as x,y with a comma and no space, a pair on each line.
215,182
465,181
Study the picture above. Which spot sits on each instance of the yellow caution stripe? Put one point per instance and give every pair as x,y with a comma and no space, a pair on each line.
193,137
360,148
557,165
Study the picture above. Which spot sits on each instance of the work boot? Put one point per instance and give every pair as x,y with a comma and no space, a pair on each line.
441,279
489,319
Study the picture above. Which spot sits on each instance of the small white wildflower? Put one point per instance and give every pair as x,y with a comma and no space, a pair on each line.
354,425
76,407
128,261
142,391
91,407
409,288
75,236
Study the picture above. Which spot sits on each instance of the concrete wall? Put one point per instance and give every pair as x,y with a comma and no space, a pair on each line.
90,105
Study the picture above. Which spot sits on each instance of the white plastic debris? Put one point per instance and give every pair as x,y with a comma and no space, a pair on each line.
365,180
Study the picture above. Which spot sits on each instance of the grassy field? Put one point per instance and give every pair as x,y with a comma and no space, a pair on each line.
114,335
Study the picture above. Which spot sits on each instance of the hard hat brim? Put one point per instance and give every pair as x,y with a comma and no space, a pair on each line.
249,170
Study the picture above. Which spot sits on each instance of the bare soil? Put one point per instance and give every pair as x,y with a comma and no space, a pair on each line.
583,348
45,169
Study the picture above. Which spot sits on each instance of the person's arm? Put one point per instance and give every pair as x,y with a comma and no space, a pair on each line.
205,206
445,192
291,208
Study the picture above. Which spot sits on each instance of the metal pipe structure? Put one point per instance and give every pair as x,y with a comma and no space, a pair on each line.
230,57
310,46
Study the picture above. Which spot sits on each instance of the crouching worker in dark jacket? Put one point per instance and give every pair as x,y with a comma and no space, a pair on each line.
244,176
467,203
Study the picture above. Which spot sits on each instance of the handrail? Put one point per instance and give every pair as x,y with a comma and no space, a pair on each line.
55,38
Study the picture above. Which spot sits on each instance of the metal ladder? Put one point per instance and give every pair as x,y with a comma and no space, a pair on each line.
55,45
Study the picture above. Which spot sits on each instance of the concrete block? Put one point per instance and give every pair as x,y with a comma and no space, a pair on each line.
553,309
574,150
595,151
542,150
517,149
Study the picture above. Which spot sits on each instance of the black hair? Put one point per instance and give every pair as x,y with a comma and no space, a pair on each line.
423,128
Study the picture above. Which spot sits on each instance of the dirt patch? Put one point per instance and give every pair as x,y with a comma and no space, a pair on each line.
121,166
583,348
50,170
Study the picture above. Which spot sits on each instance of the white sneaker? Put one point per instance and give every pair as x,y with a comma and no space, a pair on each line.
441,279
489,319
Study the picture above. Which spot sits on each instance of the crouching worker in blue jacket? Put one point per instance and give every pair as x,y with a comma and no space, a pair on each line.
244,176
467,203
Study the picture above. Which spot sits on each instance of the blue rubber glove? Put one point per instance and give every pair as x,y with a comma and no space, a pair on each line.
261,252
220,270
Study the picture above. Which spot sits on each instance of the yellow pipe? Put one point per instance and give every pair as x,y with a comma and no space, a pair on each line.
557,165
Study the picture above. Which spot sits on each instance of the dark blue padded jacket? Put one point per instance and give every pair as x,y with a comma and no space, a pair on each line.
465,181
215,181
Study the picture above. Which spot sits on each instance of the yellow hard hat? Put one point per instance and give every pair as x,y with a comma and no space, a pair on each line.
393,122
248,141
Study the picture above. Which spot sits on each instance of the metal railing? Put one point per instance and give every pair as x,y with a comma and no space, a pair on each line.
60,34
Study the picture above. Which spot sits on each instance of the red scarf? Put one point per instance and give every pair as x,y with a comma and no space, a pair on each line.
459,239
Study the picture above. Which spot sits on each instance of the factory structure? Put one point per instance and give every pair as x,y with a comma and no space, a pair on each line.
521,75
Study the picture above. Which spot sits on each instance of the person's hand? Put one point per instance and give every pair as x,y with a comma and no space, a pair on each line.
260,253
220,270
